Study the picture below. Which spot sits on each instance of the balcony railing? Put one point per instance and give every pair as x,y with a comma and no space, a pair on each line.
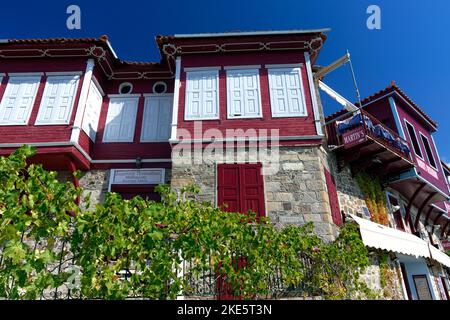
361,128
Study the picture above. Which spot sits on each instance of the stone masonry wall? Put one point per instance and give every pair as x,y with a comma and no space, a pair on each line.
351,198
296,194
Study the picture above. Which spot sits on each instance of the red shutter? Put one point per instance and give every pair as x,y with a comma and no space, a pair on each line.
334,201
241,188
252,194
228,187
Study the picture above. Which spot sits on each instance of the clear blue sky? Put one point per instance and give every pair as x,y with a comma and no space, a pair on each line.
412,46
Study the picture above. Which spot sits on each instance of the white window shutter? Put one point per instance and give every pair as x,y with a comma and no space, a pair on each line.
209,95
286,92
235,95
121,120
251,94
157,119
243,93
294,92
92,111
202,95
18,99
57,100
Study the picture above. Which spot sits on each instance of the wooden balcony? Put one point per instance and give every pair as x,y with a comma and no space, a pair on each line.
362,141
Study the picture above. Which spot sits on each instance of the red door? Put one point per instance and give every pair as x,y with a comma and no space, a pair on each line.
241,188
334,201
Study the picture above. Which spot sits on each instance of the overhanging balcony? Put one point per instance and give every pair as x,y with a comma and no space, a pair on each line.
362,141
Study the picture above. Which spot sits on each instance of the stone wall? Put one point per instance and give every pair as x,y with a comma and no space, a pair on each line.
295,194
351,198
385,282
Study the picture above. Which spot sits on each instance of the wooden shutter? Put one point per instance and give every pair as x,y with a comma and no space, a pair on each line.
57,100
18,99
243,93
157,119
252,189
241,188
334,201
202,95
228,187
286,92
121,120
92,111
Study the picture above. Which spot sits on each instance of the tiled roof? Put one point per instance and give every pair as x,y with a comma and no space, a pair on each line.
393,87
103,38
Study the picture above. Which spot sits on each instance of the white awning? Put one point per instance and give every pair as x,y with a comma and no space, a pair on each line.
381,237
440,256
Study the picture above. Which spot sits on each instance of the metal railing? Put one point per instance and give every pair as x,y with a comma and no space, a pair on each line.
369,123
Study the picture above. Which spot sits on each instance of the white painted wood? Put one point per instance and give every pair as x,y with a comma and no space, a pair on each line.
57,100
287,96
92,111
194,69
202,95
176,100
88,76
243,94
284,65
121,119
313,92
18,100
244,67
156,119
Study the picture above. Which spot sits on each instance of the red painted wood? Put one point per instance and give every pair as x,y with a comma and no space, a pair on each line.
294,126
106,166
86,143
241,188
334,200
404,112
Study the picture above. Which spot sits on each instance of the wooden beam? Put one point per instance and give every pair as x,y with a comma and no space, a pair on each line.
428,199
408,208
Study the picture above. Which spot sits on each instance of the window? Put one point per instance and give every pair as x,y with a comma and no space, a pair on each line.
157,119
202,98
121,120
125,88
428,151
413,138
92,111
159,87
287,97
396,210
18,99
57,100
243,94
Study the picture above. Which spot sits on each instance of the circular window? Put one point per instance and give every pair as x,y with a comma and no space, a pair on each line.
160,87
125,88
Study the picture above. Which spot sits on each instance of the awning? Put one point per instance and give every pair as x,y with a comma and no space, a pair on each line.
440,256
381,237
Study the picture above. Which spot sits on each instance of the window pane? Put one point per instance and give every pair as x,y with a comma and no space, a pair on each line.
412,136
430,156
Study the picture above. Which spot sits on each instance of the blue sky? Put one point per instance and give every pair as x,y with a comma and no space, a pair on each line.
412,46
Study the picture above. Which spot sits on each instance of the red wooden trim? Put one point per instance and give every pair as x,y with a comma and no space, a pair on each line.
430,196
37,101
139,117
